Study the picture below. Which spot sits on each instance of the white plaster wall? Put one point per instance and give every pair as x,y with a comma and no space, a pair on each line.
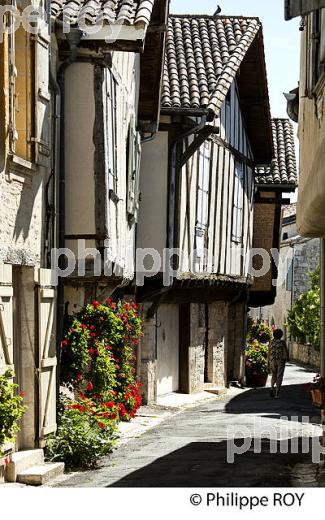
79,122
167,349
152,227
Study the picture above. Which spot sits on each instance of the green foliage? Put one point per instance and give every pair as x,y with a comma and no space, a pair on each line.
11,408
98,354
261,332
256,354
304,319
85,434
98,364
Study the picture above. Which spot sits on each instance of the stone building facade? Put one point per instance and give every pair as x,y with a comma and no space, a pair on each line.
298,258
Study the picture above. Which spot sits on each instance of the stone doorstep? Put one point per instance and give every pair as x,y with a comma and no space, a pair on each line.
40,474
21,461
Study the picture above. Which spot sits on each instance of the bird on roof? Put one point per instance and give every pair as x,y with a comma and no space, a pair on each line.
218,11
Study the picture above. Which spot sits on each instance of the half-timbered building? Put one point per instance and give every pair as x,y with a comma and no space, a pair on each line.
197,190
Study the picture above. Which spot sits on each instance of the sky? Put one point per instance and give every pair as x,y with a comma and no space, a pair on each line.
282,40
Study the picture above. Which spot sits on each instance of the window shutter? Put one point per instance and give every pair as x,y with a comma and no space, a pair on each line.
295,8
110,131
237,224
202,212
134,155
42,137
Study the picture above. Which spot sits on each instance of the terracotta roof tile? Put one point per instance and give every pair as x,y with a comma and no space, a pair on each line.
283,169
128,12
203,55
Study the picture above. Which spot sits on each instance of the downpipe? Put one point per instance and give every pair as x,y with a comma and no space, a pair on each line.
73,38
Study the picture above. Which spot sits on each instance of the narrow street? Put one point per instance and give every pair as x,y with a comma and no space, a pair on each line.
190,448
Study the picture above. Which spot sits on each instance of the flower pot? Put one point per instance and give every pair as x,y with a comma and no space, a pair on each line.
257,380
318,397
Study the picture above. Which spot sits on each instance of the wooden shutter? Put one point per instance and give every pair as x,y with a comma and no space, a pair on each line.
6,318
47,361
295,8
237,223
42,137
110,122
134,155
202,211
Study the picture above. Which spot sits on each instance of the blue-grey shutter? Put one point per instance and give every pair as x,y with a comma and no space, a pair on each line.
295,8
202,211
134,155
237,223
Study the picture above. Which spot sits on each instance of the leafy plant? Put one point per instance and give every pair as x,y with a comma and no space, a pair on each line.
11,408
86,433
261,332
256,358
303,320
98,354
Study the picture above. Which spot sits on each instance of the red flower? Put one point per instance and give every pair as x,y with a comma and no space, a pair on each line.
93,335
92,327
83,326
95,304
101,425
91,351
113,306
64,343
22,394
135,342
108,301
90,386
79,377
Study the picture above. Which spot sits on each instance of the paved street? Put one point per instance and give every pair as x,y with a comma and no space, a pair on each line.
189,449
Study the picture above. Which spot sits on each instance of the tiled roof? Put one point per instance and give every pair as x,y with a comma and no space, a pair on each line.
290,210
283,169
119,12
203,56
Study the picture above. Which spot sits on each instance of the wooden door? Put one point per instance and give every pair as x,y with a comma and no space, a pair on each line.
6,318
47,361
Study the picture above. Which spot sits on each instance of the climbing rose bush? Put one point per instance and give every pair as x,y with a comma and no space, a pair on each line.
98,355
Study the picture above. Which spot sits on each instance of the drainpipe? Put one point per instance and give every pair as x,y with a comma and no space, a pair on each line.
73,38
322,306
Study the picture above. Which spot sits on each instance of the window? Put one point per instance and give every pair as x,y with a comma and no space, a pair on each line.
29,97
237,223
295,8
22,98
316,48
289,282
111,132
133,155
202,210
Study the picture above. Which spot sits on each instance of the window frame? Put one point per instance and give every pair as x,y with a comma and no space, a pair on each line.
237,226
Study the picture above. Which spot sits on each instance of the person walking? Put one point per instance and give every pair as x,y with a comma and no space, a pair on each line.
277,357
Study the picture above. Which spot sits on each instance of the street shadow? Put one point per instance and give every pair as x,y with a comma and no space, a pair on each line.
294,402
204,464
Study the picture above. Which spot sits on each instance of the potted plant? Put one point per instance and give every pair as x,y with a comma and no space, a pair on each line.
317,389
256,366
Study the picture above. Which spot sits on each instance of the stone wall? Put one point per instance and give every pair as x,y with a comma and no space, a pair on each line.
197,348
305,355
306,259
21,216
217,344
